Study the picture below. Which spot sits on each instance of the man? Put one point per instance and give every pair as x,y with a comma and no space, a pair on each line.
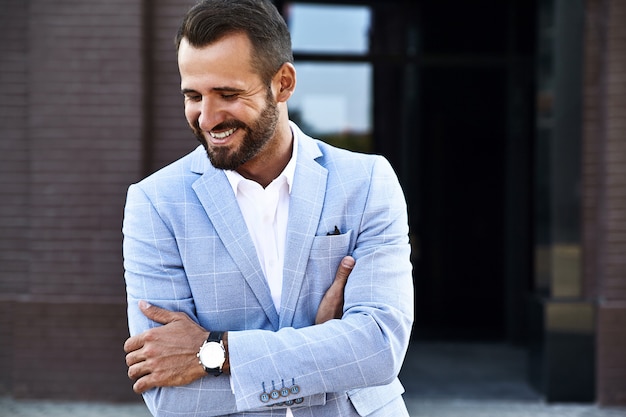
230,251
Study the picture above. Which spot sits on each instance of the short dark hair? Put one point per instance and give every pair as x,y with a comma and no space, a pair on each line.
210,20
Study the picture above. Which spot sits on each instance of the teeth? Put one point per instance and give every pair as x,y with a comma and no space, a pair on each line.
222,135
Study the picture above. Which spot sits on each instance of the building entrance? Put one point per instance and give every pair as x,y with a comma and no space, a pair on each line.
453,110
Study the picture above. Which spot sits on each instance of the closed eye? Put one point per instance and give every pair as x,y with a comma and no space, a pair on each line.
228,93
191,95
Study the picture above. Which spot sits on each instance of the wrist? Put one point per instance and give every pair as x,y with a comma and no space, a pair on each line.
226,366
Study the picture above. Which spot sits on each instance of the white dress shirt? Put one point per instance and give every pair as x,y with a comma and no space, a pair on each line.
265,211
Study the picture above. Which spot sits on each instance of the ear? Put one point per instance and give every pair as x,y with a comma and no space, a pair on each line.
284,82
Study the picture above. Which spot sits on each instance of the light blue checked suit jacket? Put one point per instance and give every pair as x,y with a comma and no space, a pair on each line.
187,248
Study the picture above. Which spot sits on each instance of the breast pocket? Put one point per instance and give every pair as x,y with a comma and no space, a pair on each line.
326,253
331,246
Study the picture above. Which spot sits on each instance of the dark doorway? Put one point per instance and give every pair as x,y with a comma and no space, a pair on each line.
460,268
453,111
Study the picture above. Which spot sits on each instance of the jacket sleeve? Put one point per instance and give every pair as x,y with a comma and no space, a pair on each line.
367,346
154,272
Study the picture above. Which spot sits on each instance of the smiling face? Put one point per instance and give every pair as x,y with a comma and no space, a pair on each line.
233,113
223,148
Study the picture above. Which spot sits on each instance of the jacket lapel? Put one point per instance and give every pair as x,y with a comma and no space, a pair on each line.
305,208
219,202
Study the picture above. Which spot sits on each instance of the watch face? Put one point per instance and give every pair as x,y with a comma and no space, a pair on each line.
212,355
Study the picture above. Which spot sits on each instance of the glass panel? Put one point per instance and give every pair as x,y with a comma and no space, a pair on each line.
324,28
558,150
333,102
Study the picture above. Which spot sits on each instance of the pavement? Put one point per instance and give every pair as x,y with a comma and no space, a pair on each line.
479,380
441,379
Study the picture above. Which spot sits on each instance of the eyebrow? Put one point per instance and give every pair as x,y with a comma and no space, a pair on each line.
215,89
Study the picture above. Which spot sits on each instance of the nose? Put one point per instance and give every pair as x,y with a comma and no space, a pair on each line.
210,115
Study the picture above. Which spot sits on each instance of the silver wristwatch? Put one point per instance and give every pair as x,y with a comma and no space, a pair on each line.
212,354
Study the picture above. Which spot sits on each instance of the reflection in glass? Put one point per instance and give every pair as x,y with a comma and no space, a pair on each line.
329,28
333,102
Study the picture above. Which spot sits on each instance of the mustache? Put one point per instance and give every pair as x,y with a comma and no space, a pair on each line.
229,124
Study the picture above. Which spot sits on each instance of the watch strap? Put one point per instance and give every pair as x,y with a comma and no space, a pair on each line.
215,337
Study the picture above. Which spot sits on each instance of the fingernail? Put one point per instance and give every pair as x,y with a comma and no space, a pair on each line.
144,304
348,263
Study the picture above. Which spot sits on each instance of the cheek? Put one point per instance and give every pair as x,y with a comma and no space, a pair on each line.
190,110
191,114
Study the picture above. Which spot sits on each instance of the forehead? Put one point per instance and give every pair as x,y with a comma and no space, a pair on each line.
225,62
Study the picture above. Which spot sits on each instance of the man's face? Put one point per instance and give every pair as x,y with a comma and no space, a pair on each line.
255,136
228,107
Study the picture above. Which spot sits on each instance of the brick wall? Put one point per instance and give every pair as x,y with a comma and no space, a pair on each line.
90,103
84,131
70,349
14,170
71,128
170,136
612,315
604,190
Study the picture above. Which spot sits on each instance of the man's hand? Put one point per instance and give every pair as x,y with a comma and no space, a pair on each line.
165,355
331,306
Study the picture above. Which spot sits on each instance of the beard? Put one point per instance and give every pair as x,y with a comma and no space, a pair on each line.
256,136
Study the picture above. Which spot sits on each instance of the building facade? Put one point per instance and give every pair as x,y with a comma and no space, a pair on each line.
506,122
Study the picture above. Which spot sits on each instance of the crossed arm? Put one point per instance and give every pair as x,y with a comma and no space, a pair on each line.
166,355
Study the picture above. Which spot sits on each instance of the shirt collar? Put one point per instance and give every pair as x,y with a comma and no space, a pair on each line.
234,178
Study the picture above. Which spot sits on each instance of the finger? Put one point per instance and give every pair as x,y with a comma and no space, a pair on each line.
143,384
132,344
139,387
344,270
133,358
158,314
138,370
331,306
145,378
